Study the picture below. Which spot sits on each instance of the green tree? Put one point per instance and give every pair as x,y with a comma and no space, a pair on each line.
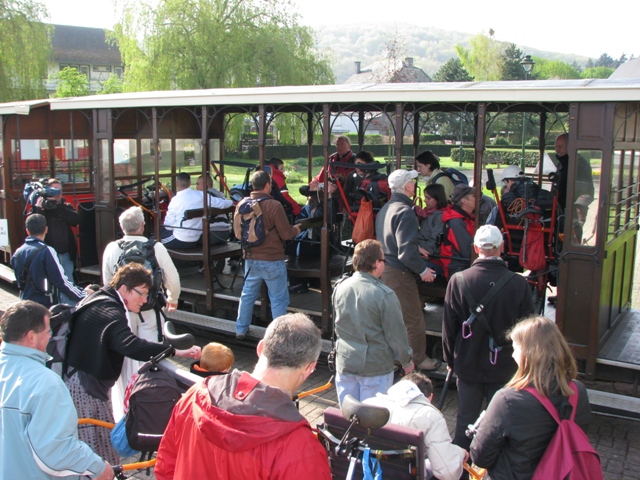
452,71
192,44
71,83
24,50
597,72
555,70
511,67
605,60
483,60
113,84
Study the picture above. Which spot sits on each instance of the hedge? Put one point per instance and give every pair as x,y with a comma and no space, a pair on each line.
301,151
502,156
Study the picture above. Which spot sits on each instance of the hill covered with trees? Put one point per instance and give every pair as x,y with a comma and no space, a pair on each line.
429,47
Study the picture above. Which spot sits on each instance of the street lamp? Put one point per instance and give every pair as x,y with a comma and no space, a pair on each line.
527,64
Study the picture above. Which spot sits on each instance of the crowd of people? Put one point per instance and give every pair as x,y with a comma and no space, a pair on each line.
240,424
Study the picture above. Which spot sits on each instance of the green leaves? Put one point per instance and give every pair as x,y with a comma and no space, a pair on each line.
71,83
24,50
192,44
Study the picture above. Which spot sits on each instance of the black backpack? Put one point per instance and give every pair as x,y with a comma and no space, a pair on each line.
251,221
143,253
62,319
153,396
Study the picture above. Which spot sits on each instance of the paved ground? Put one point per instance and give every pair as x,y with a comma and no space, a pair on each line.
616,440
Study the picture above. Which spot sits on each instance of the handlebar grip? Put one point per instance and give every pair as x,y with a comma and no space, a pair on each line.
491,181
180,342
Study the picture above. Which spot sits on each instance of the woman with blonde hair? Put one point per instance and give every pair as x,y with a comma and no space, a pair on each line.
514,433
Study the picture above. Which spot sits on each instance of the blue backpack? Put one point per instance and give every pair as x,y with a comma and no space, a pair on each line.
456,176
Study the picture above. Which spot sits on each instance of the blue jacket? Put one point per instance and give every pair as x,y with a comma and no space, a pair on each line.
38,421
44,274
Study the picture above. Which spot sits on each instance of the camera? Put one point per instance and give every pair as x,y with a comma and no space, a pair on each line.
39,189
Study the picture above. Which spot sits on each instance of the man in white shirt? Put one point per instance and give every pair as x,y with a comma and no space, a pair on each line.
186,234
219,228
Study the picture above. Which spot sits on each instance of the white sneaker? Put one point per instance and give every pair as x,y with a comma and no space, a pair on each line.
429,364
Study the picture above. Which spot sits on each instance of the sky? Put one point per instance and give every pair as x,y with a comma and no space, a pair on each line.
564,26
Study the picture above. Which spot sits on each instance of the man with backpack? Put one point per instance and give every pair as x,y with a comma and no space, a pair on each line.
244,425
428,165
261,224
39,274
146,324
481,304
39,435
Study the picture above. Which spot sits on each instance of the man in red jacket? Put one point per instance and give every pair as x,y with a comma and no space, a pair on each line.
244,425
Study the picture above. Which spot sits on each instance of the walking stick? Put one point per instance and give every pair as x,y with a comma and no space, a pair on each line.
445,387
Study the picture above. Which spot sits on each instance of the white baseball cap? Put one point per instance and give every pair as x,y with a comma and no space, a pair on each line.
488,237
512,172
399,178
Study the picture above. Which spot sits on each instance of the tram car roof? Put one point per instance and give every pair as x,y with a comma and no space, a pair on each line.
532,91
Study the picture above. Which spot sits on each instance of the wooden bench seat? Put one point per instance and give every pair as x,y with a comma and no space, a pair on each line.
216,252
309,267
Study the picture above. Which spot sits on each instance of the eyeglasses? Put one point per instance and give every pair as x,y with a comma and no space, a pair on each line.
143,295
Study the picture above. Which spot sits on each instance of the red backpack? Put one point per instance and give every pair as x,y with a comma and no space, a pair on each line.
569,454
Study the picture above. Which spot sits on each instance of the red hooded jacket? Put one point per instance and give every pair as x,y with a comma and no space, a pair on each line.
281,182
234,426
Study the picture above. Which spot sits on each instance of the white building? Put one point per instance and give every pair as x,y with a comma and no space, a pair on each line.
85,49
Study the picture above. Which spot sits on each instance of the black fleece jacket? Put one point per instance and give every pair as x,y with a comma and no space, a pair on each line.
101,338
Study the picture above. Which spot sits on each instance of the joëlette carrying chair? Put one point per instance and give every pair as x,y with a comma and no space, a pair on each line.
358,438
531,233
155,415
367,193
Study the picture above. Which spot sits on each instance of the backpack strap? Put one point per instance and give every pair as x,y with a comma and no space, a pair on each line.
24,275
269,230
476,311
546,403
97,297
441,174
159,314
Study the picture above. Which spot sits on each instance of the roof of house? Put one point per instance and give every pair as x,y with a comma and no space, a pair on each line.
83,45
381,72
629,69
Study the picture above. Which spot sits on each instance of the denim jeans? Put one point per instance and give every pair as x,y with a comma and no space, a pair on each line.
360,387
67,266
274,275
